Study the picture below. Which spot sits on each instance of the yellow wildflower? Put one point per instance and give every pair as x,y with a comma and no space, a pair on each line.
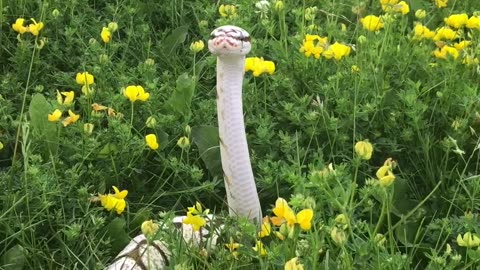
260,249
258,66
420,32
314,45
364,149
337,51
457,20
462,44
71,118
196,221
441,3
372,23
445,51
232,247
97,107
388,2
420,14
293,264
151,141
468,240
19,27
106,35
395,6
473,22
228,11
284,214
114,201
34,28
444,33
197,46
69,96
266,228
385,175
197,209
55,116
84,78
136,92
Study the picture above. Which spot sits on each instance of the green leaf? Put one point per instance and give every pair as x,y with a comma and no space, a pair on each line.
172,41
207,141
115,230
14,258
182,96
43,130
406,233
108,150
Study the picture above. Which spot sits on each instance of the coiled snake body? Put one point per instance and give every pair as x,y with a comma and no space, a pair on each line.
230,44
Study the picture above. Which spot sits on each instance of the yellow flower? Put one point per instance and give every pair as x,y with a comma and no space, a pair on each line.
151,140
420,32
284,213
293,264
84,78
69,96
197,209
34,28
228,11
71,118
388,2
304,219
469,60
114,201
196,221
385,175
468,240
149,228
394,6
55,116
19,27
134,93
197,46
446,51
106,35
266,228
420,14
314,45
462,44
97,107
473,22
441,3
232,247
372,23
456,20
444,33
183,142
259,66
260,249
337,51
364,149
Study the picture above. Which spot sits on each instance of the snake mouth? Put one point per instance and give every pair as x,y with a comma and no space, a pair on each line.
229,40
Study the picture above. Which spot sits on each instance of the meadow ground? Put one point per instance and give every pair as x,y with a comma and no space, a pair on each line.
364,113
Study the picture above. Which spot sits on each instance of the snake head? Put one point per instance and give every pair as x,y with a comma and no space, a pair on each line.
229,40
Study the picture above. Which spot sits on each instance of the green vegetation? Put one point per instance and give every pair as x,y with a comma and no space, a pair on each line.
405,81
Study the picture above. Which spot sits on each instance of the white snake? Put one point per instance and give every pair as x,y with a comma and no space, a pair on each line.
230,44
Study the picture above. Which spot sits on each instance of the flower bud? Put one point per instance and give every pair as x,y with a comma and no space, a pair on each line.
103,59
113,26
88,128
55,13
149,62
1,145
364,150
149,229
183,142
197,46
188,130
362,39
151,122
338,236
279,6
420,14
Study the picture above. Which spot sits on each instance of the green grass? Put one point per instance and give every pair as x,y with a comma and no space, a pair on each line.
420,110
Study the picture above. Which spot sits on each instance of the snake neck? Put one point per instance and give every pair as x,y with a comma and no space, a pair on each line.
242,193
